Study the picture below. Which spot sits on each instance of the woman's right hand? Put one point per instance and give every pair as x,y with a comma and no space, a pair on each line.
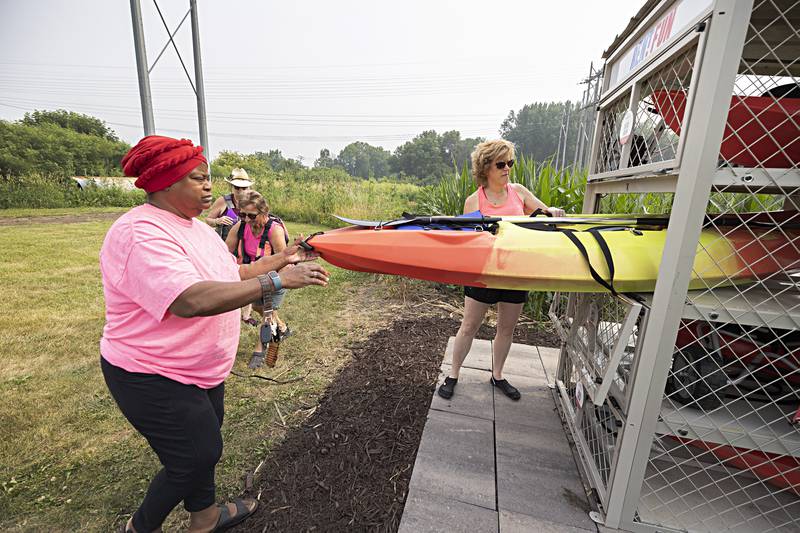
224,221
294,253
302,275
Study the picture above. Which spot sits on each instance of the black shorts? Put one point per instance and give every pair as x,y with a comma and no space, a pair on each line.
492,296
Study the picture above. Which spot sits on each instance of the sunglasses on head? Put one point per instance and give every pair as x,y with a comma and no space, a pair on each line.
250,216
502,164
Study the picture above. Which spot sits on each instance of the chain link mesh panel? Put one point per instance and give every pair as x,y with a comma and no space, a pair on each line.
609,149
600,333
660,111
595,428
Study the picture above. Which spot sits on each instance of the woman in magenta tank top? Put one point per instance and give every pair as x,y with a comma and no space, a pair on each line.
254,222
496,196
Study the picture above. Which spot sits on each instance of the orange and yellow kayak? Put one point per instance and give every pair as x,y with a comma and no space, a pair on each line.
517,253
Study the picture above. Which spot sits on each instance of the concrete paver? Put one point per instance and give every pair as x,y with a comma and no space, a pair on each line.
541,451
523,360
473,394
511,522
479,356
549,358
488,463
536,475
429,512
536,407
456,459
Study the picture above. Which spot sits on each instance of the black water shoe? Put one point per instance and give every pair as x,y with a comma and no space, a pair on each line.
508,389
446,388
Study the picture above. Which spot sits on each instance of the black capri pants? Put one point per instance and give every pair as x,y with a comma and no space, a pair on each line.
493,296
182,424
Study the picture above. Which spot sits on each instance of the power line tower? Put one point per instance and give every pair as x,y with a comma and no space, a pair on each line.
563,136
144,70
587,114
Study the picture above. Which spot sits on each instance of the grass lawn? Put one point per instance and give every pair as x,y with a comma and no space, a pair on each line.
69,461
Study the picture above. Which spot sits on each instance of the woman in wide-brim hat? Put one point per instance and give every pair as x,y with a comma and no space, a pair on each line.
224,212
172,293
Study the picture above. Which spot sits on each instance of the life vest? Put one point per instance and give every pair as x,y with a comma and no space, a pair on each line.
263,243
229,212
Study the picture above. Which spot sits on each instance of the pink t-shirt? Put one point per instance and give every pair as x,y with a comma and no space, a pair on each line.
149,257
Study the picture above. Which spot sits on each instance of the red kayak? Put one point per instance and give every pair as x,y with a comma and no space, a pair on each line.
761,131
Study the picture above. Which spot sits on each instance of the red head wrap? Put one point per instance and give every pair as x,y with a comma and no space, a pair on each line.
157,162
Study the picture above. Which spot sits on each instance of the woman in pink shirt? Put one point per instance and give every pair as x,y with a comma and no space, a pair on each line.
491,165
172,293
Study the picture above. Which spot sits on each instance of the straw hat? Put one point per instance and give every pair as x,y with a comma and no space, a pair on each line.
239,178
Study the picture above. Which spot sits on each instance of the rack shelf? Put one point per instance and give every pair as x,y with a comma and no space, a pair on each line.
772,304
740,423
728,179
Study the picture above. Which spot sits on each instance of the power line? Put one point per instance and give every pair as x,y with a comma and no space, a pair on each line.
282,118
318,138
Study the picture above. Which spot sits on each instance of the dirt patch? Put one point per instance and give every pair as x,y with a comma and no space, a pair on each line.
348,466
529,333
59,219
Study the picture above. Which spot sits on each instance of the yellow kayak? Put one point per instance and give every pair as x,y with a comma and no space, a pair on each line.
540,255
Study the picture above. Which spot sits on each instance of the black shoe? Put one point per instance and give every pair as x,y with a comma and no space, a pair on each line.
507,388
446,388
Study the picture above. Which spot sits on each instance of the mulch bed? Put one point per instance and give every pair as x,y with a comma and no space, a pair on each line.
348,466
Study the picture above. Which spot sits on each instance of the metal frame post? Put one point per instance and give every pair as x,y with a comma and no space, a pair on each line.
198,77
718,69
141,69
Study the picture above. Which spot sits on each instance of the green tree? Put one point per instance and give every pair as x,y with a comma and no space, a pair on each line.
429,156
227,160
278,162
72,121
324,160
48,148
455,150
364,160
421,157
535,129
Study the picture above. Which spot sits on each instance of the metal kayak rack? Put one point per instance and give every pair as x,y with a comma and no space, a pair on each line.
683,405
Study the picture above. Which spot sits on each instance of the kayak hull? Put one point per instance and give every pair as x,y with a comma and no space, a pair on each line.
519,258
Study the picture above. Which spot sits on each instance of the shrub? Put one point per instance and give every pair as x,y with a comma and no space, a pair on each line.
39,191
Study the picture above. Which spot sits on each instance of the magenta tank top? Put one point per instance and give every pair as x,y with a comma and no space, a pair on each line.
251,242
512,207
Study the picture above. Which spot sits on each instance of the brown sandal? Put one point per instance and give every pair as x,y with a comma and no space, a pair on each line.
226,521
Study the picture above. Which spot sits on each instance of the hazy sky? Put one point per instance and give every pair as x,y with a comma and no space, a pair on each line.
301,76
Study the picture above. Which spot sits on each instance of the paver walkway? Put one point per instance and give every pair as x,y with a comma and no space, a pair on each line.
487,463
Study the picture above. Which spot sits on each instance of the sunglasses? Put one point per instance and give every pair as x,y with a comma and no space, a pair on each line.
502,164
250,216
240,188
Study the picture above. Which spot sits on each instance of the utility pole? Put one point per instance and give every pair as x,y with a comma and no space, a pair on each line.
144,72
198,79
567,112
141,68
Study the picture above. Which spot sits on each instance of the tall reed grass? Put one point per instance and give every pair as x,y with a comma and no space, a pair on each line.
292,197
560,188
316,202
